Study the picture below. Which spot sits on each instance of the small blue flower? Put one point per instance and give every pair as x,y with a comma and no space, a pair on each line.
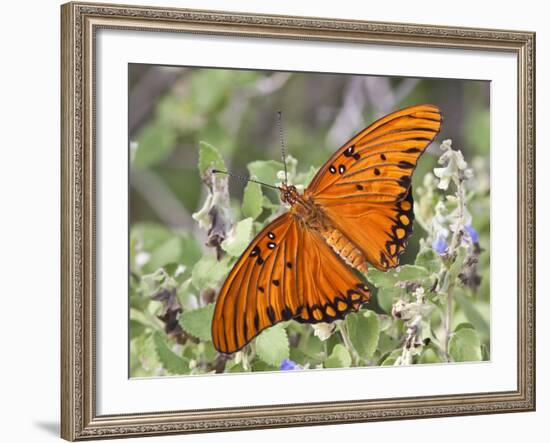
439,245
472,233
288,365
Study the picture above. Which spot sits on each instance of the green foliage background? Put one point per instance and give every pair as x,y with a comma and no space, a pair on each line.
186,120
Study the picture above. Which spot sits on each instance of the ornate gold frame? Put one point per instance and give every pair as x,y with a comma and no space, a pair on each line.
80,21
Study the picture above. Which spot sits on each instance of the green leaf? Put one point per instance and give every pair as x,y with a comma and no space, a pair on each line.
165,253
268,204
301,357
239,239
304,178
473,314
209,157
410,272
136,328
390,359
171,362
236,368
464,345
208,272
198,322
265,170
388,279
464,325
339,358
364,332
151,235
272,345
386,297
252,200
387,343
143,356
427,258
261,366
429,355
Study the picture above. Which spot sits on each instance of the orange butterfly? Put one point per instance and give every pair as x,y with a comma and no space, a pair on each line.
357,209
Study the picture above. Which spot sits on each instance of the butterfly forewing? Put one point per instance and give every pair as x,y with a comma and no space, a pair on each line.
255,295
376,165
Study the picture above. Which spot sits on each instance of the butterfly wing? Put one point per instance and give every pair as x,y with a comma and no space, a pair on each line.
365,187
376,164
257,292
286,272
380,231
330,288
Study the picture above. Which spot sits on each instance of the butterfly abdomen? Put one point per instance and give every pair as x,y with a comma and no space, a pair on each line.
345,248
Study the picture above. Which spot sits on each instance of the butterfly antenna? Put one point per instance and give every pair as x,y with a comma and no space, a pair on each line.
245,179
280,124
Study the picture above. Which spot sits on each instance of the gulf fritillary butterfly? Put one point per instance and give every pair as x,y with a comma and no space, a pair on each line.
358,209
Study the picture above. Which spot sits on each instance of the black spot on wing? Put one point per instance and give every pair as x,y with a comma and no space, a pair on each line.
270,314
405,165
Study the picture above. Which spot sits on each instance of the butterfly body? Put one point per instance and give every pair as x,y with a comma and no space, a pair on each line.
358,209
306,211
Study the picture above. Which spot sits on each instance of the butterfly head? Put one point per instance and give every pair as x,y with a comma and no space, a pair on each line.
289,194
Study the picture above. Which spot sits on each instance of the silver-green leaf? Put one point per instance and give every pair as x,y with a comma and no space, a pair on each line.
198,322
272,345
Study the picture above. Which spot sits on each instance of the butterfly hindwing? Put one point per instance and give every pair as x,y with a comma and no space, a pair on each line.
330,288
389,226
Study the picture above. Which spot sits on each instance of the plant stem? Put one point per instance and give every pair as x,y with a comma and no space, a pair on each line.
348,344
448,322
447,283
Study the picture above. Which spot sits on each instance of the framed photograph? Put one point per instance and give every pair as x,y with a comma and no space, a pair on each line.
283,221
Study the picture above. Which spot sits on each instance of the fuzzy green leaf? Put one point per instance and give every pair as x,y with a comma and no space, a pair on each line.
252,200
386,297
209,157
390,359
428,259
262,366
339,358
464,326
387,343
137,328
165,253
198,322
364,331
388,279
429,355
464,345
473,314
272,345
304,178
265,170
239,239
173,363
208,272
